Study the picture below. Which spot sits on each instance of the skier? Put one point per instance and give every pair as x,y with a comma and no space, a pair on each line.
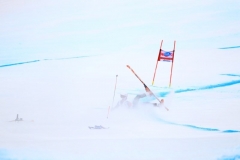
136,100
127,104
123,102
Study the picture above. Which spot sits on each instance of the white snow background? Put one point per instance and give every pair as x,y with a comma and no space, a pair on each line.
59,94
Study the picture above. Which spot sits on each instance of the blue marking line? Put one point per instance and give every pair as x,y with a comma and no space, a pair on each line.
163,94
230,131
13,64
230,47
232,75
19,63
199,128
70,58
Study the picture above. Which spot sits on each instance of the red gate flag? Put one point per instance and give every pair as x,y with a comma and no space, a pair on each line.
165,56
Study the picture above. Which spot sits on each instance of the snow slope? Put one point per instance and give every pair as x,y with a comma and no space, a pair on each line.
59,98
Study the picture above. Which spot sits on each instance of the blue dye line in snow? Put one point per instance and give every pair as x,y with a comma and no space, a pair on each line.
72,57
230,47
163,94
200,128
211,86
233,75
19,63
13,64
230,131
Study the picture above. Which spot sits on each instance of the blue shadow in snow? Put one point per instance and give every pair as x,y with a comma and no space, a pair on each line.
232,47
199,128
14,64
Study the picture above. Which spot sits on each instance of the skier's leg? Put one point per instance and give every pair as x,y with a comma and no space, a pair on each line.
136,99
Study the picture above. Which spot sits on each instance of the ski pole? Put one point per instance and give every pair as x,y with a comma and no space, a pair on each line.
113,96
